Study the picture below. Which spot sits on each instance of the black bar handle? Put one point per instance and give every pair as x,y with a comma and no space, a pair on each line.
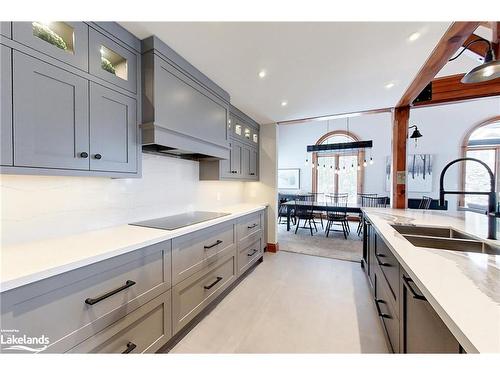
252,253
93,301
380,313
218,242
380,263
407,281
130,346
207,287
252,226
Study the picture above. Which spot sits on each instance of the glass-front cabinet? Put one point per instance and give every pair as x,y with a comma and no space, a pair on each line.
64,41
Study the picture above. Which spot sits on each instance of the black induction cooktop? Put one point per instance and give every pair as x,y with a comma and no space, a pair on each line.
181,220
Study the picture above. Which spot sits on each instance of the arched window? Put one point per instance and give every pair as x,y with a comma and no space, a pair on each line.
483,143
349,178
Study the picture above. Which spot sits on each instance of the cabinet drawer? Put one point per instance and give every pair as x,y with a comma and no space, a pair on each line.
37,308
390,268
190,296
64,41
112,62
386,311
195,251
247,255
249,225
144,330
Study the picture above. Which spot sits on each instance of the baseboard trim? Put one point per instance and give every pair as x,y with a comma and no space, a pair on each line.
273,247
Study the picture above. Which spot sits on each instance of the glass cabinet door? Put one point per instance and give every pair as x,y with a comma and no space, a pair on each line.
64,41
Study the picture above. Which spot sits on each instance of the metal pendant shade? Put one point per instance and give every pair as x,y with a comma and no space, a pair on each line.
485,72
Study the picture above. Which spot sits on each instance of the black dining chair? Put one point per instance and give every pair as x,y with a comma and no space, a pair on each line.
304,210
282,211
425,203
380,202
318,197
361,203
337,213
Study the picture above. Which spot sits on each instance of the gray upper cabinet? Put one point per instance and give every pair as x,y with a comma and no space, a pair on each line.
112,62
6,157
113,131
64,41
50,116
236,158
182,108
5,29
254,163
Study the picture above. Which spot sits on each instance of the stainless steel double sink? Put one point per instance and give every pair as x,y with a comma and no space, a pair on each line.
441,238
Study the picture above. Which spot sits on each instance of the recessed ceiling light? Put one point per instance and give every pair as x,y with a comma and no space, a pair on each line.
262,74
284,103
389,85
414,37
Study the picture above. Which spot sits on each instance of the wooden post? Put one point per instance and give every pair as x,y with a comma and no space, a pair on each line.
401,116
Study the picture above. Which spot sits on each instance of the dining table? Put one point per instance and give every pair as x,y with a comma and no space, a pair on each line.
318,206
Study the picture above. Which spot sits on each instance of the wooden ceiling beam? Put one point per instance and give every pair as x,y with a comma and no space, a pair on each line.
479,49
450,89
448,45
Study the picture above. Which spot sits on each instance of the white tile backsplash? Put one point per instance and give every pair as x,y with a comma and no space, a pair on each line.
37,207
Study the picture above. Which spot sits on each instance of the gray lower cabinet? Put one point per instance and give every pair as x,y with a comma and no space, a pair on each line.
6,152
423,331
64,41
410,323
144,330
74,306
113,130
51,116
192,295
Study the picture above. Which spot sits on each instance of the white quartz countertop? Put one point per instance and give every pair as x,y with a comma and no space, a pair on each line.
463,288
33,261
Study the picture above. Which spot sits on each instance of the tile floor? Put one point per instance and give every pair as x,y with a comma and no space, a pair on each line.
292,303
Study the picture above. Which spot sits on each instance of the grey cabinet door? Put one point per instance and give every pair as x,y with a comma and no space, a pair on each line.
254,162
113,131
236,153
183,106
74,35
423,329
225,164
6,156
105,53
5,28
51,128
245,162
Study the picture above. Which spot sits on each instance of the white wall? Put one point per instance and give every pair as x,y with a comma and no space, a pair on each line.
443,128
37,207
293,140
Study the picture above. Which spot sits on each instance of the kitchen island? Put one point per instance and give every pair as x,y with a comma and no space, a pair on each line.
462,288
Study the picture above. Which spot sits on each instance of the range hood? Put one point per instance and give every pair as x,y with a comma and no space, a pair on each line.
184,113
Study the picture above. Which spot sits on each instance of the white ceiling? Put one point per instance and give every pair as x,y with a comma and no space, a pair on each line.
318,68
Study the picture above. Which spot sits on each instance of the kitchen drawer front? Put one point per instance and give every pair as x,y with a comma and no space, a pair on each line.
75,35
390,268
190,296
195,251
249,225
386,311
35,308
124,61
144,330
248,255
